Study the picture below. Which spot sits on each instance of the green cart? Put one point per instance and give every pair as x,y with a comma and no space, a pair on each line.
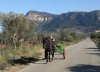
60,49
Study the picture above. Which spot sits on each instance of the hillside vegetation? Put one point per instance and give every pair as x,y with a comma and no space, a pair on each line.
83,21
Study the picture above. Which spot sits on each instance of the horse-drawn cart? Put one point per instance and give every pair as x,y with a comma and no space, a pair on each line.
60,49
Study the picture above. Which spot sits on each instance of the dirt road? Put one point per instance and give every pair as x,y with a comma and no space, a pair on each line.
81,57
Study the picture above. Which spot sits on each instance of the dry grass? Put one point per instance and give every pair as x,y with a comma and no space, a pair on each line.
14,54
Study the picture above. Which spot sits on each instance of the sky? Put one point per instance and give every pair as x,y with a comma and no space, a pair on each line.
50,6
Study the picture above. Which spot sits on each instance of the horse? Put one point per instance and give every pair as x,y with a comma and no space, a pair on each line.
48,46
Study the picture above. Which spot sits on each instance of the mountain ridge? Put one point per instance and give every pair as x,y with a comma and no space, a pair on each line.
90,21
39,17
84,21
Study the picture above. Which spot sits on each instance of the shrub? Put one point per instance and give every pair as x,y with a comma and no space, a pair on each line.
3,62
68,38
96,38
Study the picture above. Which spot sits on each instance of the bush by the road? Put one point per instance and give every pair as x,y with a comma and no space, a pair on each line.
96,38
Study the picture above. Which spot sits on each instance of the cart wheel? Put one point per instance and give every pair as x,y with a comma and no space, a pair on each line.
64,54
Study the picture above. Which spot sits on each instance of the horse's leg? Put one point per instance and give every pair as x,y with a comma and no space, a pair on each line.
52,55
49,56
46,55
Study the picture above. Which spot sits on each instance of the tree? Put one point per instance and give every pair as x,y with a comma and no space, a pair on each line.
16,28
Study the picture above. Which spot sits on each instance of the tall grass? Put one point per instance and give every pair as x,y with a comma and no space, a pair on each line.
13,54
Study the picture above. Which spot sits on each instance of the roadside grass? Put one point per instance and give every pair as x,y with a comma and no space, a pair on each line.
20,56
